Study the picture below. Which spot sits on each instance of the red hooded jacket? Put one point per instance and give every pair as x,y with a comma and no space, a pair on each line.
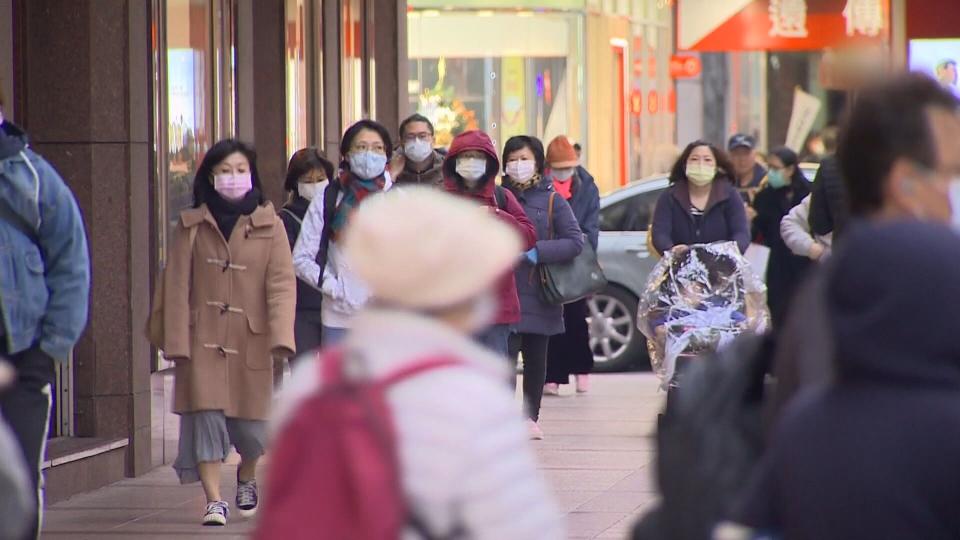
513,214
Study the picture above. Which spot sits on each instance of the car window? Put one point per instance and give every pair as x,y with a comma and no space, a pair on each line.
632,214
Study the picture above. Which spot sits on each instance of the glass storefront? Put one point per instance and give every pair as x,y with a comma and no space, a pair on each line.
596,72
465,74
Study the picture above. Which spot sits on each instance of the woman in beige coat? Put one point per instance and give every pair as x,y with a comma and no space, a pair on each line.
229,304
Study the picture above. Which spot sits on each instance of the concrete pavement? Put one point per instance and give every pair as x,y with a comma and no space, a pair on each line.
597,456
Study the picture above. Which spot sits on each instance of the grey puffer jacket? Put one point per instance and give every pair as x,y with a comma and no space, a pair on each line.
537,316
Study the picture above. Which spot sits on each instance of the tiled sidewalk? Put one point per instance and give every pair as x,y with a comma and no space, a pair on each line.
597,455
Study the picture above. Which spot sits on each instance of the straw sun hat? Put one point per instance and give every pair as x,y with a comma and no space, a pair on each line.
421,248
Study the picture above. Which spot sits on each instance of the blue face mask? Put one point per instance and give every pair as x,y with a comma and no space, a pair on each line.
776,179
367,165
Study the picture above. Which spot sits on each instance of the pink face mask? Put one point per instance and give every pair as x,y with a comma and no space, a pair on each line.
233,187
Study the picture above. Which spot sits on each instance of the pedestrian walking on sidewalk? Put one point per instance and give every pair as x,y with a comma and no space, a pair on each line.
569,353
457,463
701,206
308,176
317,255
874,454
786,188
419,162
899,157
229,301
559,240
470,170
44,292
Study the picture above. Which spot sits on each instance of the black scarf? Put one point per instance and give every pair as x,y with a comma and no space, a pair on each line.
227,213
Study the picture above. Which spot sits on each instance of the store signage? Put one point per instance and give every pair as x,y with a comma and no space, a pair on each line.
780,25
685,66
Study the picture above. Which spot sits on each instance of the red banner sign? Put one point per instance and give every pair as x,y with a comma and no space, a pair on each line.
780,25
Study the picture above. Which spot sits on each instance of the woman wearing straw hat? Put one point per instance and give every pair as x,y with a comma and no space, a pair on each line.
466,468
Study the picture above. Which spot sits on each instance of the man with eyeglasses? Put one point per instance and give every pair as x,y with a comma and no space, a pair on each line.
418,162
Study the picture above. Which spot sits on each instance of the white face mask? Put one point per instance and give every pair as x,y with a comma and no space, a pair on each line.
562,175
418,150
521,171
307,190
367,165
471,169
955,202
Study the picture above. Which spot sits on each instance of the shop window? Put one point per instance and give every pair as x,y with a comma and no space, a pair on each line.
194,101
299,102
351,61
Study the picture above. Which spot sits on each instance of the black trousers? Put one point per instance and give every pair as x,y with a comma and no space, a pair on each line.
570,352
307,329
26,408
534,348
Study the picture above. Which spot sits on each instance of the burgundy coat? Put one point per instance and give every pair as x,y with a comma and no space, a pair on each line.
484,194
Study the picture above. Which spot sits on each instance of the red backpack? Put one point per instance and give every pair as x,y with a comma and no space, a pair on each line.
334,471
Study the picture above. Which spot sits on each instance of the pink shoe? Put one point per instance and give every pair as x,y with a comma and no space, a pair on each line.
551,389
583,384
536,434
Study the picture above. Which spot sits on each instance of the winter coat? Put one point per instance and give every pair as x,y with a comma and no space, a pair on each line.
537,316
785,270
874,454
485,194
585,202
343,292
462,442
44,263
292,215
796,234
829,206
724,218
430,177
228,310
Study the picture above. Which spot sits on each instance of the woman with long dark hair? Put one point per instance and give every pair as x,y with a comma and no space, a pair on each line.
365,149
229,296
308,176
701,206
559,240
786,188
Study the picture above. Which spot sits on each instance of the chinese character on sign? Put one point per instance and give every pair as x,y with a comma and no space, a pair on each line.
789,18
864,17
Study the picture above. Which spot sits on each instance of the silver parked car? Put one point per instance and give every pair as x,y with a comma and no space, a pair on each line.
624,253
625,257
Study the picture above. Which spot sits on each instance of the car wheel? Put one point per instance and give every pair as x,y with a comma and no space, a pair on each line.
615,341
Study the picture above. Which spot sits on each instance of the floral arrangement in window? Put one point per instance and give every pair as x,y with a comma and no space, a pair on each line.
449,115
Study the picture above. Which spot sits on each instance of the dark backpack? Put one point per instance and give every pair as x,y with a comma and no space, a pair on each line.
709,441
330,196
334,469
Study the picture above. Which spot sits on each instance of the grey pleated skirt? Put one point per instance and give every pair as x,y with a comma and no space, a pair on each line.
208,435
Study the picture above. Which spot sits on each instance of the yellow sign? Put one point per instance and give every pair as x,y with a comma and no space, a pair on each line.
512,98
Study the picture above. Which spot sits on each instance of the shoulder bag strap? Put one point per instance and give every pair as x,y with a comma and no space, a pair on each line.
290,213
553,196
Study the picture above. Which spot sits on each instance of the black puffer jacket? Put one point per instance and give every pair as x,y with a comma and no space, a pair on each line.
875,454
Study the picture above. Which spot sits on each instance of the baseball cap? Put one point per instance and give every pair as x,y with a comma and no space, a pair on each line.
741,140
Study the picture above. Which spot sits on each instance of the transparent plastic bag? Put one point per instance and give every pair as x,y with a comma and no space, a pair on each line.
696,300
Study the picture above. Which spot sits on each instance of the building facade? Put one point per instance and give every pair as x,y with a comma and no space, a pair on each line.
124,97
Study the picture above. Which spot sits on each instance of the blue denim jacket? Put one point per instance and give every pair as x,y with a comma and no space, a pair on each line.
44,264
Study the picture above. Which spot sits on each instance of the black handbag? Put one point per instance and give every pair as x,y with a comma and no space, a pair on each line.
562,283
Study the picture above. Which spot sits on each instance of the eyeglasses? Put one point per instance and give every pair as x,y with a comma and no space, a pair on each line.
424,136
376,148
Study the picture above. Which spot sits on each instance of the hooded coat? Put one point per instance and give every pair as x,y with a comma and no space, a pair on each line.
537,316
874,455
485,194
